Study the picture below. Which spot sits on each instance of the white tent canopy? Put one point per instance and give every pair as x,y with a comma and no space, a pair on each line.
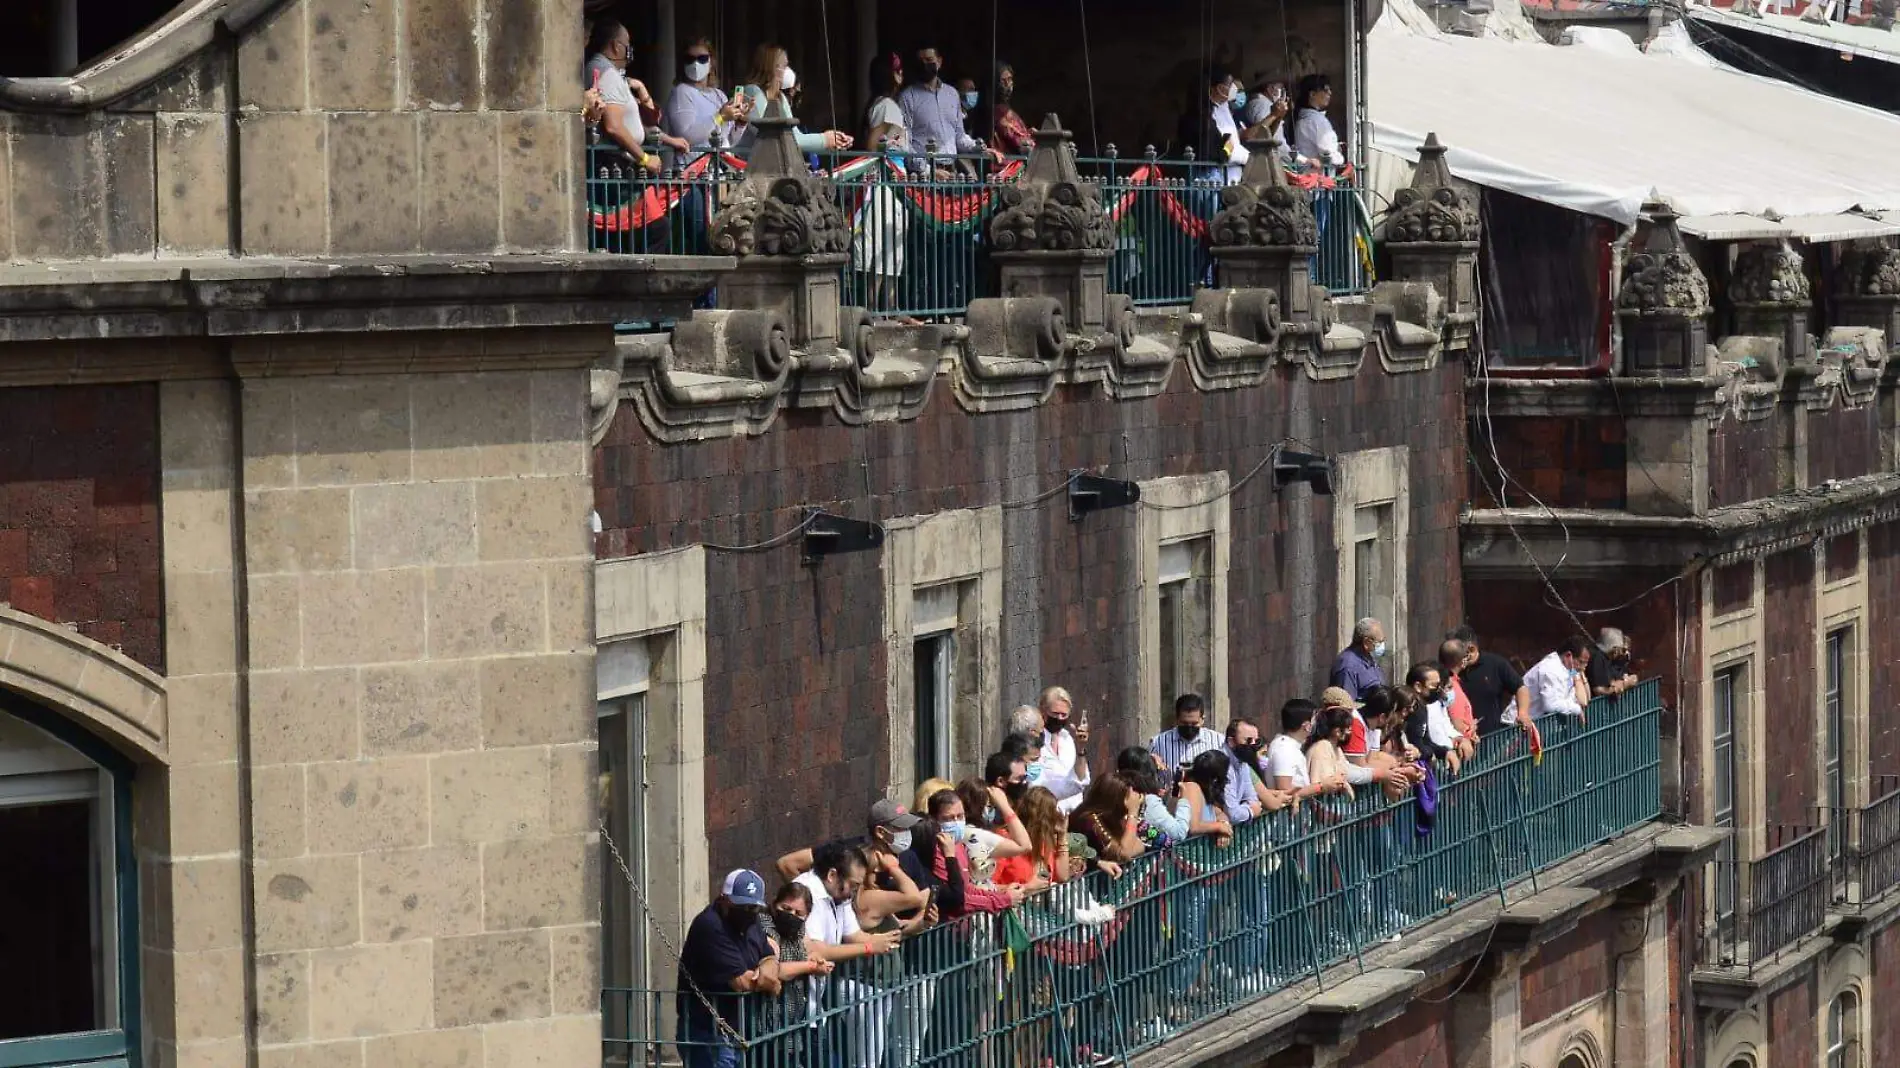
1841,37
1601,131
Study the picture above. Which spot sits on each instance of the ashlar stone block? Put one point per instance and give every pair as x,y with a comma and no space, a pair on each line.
208,994
461,172
441,62
534,518
537,700
312,1055
362,617
573,781
368,804
283,998
375,199
307,903
371,990
277,801
303,716
422,893
473,425
428,707
286,215
490,796
487,978
352,430
204,809
459,1048
273,61
206,899
543,882
414,523
55,188
556,1043
539,212
296,530
576,974
352,54
485,610
517,69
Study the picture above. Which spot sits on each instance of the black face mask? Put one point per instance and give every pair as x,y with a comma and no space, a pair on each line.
1248,753
931,70
1187,733
740,918
1054,725
1434,696
1015,790
788,923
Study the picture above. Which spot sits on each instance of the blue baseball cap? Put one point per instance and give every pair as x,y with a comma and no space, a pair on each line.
744,887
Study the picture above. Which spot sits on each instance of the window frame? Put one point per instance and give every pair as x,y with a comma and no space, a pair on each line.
1836,682
1732,677
119,1044
1176,509
1373,478
627,706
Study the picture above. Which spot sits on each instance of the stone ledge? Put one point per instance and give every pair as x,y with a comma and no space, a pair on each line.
1251,1033
1601,396
262,296
1734,988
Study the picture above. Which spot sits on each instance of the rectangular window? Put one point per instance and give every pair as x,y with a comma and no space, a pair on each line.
622,675
1372,562
933,660
1187,621
1728,690
1834,728
1843,556
1734,588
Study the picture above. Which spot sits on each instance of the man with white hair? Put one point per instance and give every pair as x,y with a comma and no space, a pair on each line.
1356,671
1609,670
1065,766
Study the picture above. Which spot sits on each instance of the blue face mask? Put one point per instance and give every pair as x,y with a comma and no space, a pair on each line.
1240,99
955,829
969,100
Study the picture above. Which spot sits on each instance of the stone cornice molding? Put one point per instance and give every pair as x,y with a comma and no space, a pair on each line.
268,296
153,53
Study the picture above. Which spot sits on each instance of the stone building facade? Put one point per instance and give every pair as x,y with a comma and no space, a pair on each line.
308,397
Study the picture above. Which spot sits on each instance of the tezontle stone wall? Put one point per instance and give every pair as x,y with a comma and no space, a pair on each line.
327,127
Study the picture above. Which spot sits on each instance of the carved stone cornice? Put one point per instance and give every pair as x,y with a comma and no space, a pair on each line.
779,209
1851,364
1769,275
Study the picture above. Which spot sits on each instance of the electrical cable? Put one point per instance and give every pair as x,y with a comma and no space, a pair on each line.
1229,491
1088,77
1040,497
811,516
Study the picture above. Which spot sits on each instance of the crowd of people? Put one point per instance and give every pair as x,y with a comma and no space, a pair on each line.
1043,813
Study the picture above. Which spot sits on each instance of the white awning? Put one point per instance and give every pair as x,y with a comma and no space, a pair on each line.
1601,132
1864,41
1732,227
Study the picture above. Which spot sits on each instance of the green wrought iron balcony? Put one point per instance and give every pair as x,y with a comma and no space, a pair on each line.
917,224
1194,931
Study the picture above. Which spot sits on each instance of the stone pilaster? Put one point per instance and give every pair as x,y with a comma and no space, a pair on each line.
1641,963
1265,234
1484,1020
1663,302
417,581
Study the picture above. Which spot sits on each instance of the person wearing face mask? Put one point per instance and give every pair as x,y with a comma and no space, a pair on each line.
791,906
1008,133
1609,668
768,95
933,112
1559,685
1356,670
888,831
1433,734
727,952
1065,764
1176,747
610,47
1287,765
697,106
1210,127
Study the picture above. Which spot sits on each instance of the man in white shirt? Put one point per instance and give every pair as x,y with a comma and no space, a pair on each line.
837,874
1286,758
933,110
1558,684
1175,749
1064,763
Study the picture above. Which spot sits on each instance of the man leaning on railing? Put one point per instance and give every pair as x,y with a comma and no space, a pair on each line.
727,969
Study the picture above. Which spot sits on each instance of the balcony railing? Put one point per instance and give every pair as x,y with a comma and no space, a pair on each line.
1197,929
1867,864
1764,906
918,247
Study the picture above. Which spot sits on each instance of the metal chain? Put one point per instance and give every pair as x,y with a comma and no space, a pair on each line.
646,909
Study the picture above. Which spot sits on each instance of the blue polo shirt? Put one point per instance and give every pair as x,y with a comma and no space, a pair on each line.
713,956
1356,673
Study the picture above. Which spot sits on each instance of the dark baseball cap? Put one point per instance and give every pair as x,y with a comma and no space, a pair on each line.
888,813
744,887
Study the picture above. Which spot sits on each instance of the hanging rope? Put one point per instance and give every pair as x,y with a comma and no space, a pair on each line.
831,72
1088,77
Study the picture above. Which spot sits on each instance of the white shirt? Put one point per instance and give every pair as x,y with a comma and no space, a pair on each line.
884,111
1553,688
1236,159
1314,137
830,922
1285,756
1062,774
614,90
1438,725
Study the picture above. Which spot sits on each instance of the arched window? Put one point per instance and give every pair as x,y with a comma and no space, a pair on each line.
1574,1060
68,979
1842,1037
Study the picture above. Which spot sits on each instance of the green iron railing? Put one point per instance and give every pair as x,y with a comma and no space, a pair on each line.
1197,929
917,223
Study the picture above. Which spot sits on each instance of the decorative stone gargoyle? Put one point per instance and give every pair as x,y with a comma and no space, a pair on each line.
1769,295
1663,301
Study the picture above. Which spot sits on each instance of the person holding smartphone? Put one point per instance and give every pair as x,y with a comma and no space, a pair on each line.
1064,759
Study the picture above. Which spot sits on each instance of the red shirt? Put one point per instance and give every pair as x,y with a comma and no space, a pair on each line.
1356,741
1463,716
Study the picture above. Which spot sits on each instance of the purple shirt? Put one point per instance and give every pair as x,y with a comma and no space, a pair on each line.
1356,673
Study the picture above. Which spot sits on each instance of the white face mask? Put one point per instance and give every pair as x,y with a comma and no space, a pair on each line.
900,842
696,71
787,78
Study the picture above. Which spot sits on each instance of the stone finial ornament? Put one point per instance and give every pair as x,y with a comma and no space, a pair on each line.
1662,278
1264,209
1871,271
1769,274
1049,207
1432,210
780,209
